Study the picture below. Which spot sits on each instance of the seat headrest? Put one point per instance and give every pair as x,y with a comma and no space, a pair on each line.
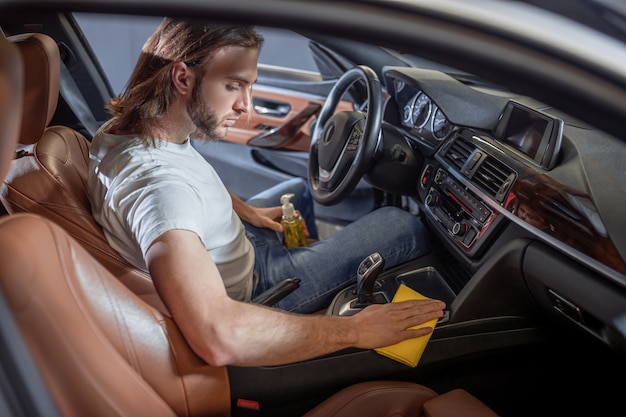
11,82
42,74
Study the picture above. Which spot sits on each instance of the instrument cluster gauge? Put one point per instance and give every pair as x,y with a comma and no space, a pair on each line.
407,114
422,107
441,126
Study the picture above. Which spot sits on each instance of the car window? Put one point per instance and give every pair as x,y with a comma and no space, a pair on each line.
117,42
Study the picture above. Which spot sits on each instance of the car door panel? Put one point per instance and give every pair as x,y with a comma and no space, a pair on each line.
285,162
270,110
273,106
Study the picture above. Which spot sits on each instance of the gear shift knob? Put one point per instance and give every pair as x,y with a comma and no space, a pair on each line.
368,271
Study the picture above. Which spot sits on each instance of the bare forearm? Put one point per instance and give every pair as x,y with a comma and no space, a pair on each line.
263,336
242,209
259,217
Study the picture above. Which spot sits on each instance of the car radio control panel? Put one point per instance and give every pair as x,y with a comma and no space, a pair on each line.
462,188
456,209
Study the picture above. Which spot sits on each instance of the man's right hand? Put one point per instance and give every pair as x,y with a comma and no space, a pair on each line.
381,325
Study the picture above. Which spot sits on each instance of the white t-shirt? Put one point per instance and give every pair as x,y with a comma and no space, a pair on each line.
138,193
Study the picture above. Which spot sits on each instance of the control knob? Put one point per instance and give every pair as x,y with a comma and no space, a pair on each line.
431,198
459,228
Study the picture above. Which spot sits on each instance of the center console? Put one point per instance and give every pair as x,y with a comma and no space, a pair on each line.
426,280
461,188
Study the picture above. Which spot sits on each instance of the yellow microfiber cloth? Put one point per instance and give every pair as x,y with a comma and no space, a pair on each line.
408,351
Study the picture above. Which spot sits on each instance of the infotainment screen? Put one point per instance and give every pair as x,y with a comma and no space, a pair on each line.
532,133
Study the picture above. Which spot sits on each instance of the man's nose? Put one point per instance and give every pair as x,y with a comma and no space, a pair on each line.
243,104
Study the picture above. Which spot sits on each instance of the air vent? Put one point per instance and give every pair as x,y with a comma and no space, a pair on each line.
483,170
459,152
494,177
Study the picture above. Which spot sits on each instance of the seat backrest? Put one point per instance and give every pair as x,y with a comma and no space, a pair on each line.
100,349
49,174
11,99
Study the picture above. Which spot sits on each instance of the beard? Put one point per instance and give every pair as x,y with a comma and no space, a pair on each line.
203,117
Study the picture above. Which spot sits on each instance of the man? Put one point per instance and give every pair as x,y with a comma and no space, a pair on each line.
163,207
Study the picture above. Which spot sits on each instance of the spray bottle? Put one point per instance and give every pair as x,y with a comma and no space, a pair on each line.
293,230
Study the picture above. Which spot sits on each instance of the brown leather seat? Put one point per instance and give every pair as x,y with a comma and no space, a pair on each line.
102,350
49,174
400,399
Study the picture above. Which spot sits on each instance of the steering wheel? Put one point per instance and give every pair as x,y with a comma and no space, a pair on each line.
343,145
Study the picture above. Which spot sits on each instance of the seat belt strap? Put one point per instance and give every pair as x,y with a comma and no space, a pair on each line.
76,101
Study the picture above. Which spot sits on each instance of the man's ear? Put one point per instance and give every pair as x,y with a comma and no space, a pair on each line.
182,77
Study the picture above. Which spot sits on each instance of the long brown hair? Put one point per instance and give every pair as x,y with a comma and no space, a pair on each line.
149,90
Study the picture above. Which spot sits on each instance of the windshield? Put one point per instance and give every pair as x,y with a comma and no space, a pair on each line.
606,16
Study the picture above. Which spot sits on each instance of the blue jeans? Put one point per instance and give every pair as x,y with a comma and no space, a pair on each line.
330,265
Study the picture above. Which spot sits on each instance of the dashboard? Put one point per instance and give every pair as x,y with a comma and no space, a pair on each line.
517,192
489,158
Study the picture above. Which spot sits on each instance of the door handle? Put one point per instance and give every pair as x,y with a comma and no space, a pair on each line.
271,108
